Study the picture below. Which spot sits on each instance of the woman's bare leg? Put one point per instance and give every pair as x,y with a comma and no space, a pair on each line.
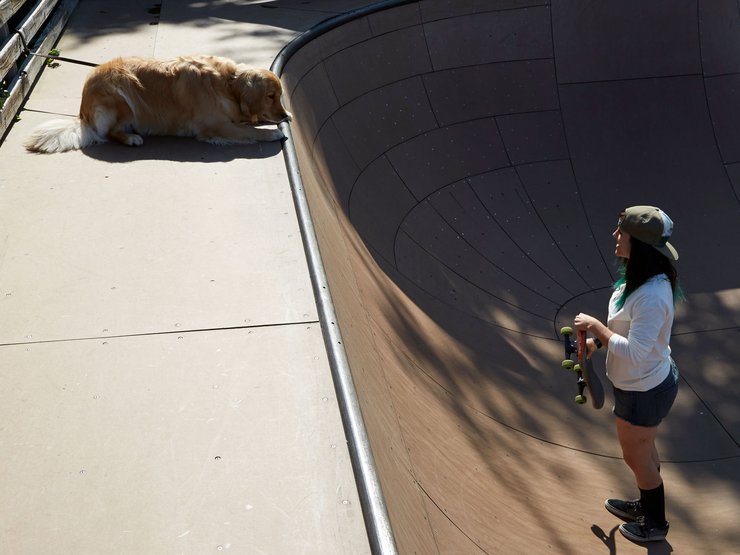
640,453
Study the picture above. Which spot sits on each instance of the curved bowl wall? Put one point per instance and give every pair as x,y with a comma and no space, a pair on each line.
465,163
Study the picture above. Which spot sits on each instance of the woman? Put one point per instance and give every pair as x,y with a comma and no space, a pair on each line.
639,362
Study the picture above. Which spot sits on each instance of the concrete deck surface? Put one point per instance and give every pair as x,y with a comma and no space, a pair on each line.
164,379
465,163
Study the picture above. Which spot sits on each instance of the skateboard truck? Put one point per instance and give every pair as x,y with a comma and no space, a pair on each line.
583,367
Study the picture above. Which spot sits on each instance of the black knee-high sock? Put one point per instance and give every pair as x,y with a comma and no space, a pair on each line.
653,504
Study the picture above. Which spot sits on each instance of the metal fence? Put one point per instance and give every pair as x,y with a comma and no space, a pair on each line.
27,27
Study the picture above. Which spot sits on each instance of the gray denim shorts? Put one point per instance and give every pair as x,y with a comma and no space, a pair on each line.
647,408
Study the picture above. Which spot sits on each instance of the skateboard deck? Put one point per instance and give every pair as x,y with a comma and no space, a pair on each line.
583,367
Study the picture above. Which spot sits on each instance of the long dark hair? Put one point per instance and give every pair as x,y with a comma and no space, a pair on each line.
645,262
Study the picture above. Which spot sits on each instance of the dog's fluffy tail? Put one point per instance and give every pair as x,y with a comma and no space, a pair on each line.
60,135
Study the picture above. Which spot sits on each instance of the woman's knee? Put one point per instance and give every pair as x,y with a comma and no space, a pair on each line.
638,450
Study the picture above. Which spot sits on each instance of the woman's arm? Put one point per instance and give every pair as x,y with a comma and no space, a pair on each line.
594,326
648,315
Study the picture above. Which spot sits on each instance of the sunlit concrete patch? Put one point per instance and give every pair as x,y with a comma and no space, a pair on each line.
168,384
176,234
194,440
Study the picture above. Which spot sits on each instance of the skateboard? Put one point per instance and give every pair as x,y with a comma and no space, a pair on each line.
583,367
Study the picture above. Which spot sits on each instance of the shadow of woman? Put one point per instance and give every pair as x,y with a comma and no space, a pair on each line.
662,548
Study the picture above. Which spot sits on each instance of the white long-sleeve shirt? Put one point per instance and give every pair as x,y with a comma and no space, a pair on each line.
639,354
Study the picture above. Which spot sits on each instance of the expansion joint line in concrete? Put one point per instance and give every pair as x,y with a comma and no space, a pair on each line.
177,331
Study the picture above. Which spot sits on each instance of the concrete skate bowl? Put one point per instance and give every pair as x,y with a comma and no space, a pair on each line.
465,163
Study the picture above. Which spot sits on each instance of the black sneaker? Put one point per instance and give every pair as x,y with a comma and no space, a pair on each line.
626,510
644,531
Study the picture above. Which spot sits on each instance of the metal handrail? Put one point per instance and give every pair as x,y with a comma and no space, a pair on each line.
377,521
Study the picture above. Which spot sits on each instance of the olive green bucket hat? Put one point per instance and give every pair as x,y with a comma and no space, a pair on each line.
650,225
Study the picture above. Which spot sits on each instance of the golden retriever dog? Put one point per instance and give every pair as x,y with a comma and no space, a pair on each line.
210,98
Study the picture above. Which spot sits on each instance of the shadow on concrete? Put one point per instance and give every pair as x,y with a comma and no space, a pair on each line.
465,163
181,149
270,19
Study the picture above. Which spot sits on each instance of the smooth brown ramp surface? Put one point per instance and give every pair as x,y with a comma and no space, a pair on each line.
465,163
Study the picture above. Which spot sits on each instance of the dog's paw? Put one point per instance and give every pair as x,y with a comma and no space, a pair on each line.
134,140
272,135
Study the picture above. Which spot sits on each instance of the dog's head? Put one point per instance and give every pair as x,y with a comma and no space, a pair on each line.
259,94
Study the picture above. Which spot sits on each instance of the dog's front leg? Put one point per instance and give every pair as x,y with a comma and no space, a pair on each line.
239,133
123,137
